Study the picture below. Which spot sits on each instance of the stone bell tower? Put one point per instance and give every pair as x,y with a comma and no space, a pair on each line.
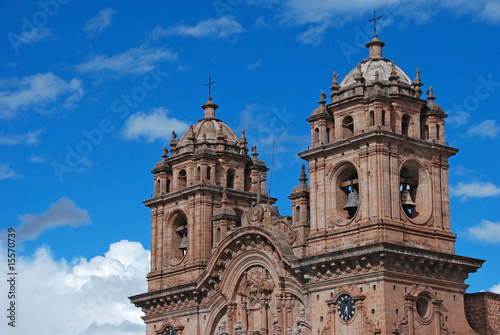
190,209
379,206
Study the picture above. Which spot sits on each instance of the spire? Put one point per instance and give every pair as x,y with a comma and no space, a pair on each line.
303,176
209,108
173,142
165,153
322,101
335,85
243,142
431,96
394,75
417,84
375,47
358,77
254,152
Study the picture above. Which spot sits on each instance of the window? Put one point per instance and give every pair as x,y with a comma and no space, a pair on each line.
169,330
230,178
383,118
372,119
209,170
182,179
327,135
405,124
317,134
348,127
437,132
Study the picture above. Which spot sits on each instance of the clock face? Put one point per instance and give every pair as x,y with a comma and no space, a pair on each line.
346,307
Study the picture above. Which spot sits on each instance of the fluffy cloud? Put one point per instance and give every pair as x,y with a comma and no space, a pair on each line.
36,92
458,118
83,296
6,172
486,231
495,289
63,212
474,189
29,138
222,27
99,22
152,126
487,128
313,35
29,36
133,61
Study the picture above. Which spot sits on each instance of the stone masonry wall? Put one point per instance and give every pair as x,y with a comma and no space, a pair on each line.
483,312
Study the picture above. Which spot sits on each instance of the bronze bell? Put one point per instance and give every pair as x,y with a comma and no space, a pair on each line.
406,200
184,243
352,201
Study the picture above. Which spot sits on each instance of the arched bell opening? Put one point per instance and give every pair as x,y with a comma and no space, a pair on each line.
182,179
405,124
230,178
347,195
348,127
415,191
179,236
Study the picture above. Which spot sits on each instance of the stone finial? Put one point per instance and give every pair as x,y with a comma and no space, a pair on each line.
334,87
430,95
190,135
209,108
173,142
225,200
165,153
303,176
358,76
220,134
322,100
254,152
394,74
417,83
243,141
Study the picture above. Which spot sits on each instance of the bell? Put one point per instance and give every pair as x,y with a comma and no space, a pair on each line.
352,201
184,243
406,200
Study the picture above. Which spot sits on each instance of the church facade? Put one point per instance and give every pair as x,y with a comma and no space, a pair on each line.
368,250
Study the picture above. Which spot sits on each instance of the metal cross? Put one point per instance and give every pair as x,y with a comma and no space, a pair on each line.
258,181
209,84
375,18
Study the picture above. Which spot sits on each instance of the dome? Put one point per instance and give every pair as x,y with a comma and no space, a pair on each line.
209,129
375,64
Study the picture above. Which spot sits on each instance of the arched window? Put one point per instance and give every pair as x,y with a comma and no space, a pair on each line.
348,127
316,132
157,186
405,124
178,236
372,118
437,132
383,118
182,179
327,135
297,213
169,330
230,178
209,170
426,132
168,185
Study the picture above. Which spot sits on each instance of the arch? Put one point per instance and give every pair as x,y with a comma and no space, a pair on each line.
405,124
168,186
327,135
348,127
230,178
437,132
316,135
342,180
177,228
372,118
416,179
383,118
182,179
297,214
209,171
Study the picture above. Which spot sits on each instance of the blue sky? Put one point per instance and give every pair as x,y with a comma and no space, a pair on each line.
91,92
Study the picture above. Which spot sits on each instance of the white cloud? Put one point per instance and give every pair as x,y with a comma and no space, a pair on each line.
458,118
35,92
6,172
475,190
486,231
133,61
255,65
99,22
29,138
491,11
487,128
29,36
152,126
313,35
38,159
222,27
495,289
83,296
62,213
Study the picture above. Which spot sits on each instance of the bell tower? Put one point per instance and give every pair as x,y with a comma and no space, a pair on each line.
382,174
190,209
